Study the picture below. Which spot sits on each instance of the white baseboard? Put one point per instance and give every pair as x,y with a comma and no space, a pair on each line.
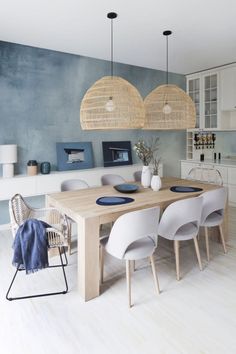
5,227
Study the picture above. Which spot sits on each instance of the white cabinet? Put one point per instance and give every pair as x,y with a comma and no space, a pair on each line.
228,89
18,184
193,89
232,185
214,94
210,117
203,88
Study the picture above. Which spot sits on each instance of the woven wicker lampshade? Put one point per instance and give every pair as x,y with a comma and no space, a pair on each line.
168,107
112,102
182,115
128,112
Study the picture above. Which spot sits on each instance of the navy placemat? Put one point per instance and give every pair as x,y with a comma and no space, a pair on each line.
185,189
113,200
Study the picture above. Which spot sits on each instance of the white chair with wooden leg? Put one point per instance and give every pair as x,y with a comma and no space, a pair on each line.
214,203
180,222
112,180
137,176
133,237
73,185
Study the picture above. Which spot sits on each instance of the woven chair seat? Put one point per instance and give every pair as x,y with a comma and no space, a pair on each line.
58,231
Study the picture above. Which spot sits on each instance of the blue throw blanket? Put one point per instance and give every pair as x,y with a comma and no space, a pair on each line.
31,246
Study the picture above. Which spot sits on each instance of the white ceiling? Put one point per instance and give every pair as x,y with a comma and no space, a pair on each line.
204,31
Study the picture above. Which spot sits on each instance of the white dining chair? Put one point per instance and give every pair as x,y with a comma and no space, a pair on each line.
180,222
204,174
133,237
214,203
112,179
72,185
137,176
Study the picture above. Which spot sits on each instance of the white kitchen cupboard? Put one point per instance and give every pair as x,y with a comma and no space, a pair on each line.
214,94
228,97
193,89
226,169
228,89
203,88
232,185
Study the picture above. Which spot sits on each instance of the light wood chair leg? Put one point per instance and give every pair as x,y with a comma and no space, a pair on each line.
207,243
222,238
156,282
198,236
176,248
132,266
101,264
197,252
128,280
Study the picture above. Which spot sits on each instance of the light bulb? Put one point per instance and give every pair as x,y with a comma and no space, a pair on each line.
110,106
167,108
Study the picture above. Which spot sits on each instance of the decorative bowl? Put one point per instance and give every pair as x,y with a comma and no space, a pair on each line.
126,188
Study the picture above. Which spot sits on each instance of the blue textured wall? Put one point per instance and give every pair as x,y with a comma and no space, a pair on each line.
40,95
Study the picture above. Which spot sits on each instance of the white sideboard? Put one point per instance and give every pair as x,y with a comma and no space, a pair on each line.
43,184
226,168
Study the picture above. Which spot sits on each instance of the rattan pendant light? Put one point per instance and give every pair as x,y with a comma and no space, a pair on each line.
168,106
112,102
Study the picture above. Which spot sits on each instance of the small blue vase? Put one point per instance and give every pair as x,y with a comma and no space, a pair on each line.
45,168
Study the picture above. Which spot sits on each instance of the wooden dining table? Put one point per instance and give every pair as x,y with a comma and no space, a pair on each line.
80,205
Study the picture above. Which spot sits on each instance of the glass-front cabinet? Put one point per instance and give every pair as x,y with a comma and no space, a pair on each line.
210,101
203,89
194,93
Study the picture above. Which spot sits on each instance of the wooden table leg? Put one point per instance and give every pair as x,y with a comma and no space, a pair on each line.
88,258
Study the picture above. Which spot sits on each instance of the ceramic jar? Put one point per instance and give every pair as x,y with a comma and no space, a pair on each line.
45,168
156,183
32,168
146,177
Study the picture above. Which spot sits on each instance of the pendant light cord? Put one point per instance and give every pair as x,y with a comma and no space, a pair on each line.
167,34
112,47
167,78
111,16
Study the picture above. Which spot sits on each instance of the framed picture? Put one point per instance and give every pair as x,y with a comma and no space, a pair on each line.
116,153
74,156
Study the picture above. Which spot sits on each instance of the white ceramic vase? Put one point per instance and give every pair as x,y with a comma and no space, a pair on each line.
146,177
156,183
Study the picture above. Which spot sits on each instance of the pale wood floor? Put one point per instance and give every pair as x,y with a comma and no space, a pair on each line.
194,316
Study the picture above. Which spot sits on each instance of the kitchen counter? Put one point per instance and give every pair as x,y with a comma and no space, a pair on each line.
222,162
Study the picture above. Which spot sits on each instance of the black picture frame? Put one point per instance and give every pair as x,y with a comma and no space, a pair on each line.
117,153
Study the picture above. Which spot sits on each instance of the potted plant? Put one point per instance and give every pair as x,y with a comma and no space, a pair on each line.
145,152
